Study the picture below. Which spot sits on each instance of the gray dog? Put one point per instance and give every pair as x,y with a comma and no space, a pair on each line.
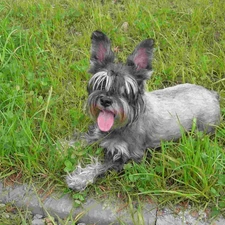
129,119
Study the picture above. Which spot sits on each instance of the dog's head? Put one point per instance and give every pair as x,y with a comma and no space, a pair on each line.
115,90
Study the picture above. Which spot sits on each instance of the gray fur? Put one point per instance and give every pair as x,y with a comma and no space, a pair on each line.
142,119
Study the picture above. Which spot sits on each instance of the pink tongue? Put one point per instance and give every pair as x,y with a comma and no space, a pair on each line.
105,120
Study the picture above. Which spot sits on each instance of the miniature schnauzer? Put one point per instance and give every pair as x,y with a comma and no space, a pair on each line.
129,119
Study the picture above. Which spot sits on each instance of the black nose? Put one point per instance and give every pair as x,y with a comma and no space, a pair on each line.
105,101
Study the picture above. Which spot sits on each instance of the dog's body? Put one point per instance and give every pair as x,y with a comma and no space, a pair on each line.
129,119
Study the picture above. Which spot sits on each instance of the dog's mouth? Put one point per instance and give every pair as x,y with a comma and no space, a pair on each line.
105,120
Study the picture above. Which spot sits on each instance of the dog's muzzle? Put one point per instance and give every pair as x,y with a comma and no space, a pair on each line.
105,101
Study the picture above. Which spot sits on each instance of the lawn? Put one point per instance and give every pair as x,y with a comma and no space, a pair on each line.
44,58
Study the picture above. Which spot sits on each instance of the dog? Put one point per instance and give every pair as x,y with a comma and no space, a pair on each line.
128,119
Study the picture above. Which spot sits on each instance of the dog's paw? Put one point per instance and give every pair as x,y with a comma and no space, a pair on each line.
77,181
81,177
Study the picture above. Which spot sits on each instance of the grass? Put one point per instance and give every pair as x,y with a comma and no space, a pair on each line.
44,56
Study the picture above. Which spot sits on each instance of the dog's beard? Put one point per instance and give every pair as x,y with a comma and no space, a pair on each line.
118,114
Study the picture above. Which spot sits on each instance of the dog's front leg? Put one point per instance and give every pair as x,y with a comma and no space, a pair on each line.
116,155
114,161
81,177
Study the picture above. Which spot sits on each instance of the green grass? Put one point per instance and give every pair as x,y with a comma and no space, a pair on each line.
44,56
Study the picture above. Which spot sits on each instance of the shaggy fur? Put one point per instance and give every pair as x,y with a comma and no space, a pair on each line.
127,118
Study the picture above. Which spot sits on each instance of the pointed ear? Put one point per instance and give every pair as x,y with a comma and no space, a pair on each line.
141,59
101,53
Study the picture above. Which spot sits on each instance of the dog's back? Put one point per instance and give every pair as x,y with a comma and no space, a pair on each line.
171,109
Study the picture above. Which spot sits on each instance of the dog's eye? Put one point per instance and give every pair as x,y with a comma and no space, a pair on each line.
129,96
99,86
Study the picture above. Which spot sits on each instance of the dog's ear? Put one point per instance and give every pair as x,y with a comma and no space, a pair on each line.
101,53
141,60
